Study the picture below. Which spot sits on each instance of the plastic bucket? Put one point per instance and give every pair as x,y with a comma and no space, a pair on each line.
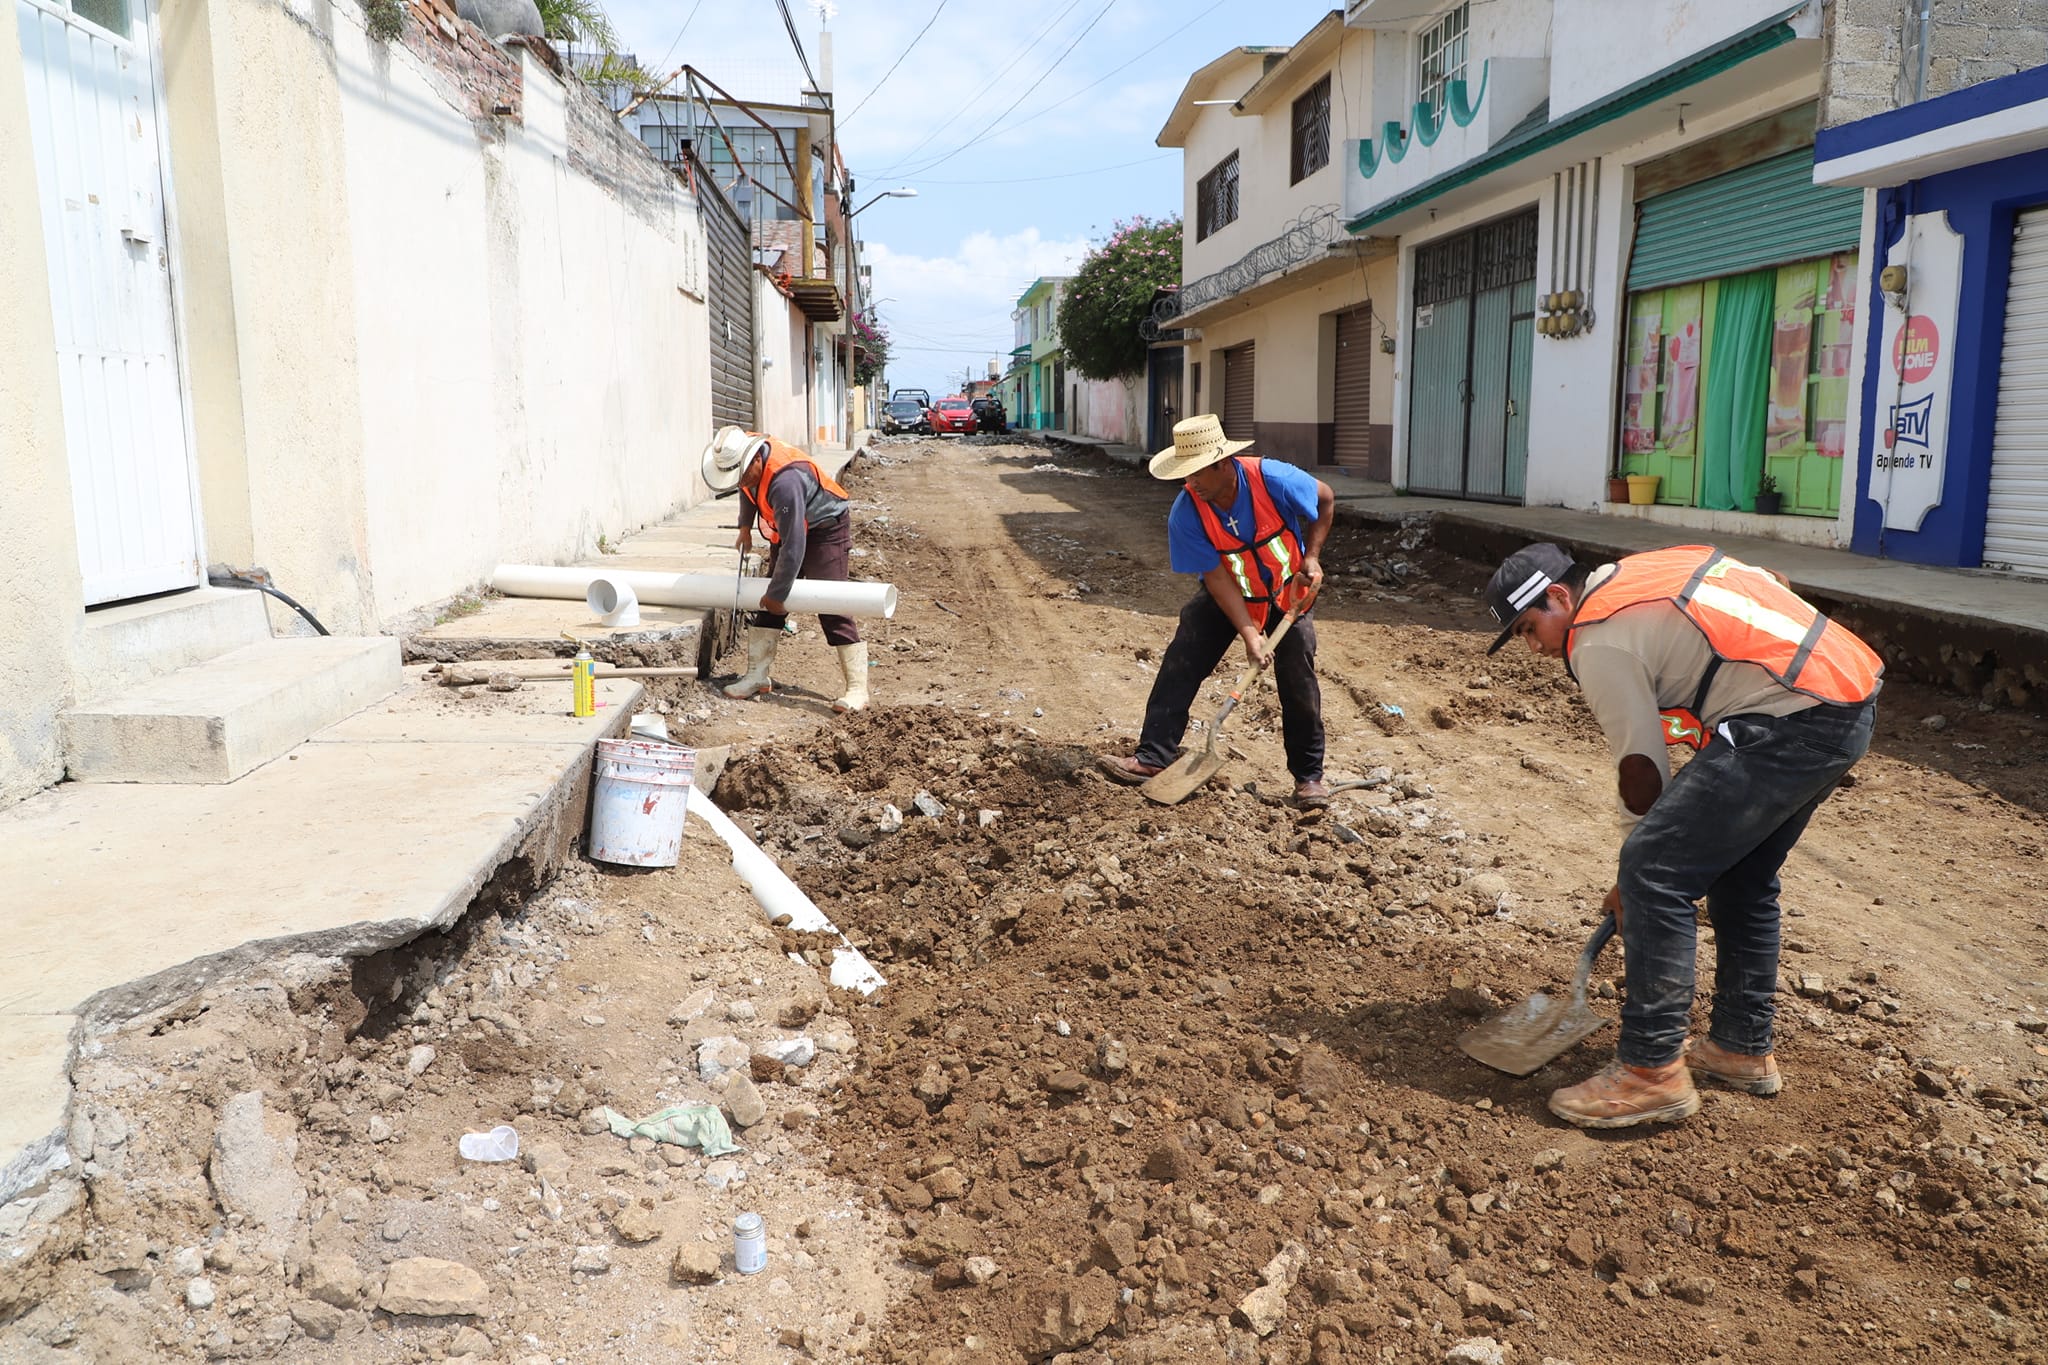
638,802
1642,489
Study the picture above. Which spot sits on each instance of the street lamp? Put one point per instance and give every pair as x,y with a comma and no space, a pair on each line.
852,289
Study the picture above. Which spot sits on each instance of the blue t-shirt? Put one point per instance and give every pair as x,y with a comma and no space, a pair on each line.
1292,489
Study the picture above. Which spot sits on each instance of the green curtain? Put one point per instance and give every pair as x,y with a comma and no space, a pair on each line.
1738,389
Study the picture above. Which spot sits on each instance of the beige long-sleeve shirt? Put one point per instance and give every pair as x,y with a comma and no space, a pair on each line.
1650,656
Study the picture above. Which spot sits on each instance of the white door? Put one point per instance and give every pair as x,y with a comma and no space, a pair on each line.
90,69
2016,518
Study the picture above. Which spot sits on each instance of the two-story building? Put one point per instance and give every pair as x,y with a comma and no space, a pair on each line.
1035,386
1613,260
1940,113
1283,315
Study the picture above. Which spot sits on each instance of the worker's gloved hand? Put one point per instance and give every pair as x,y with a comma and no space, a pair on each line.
1255,647
1612,906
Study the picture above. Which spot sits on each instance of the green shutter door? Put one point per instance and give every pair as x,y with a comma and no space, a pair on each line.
1766,214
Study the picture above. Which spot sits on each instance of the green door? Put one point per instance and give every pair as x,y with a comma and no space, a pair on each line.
1472,328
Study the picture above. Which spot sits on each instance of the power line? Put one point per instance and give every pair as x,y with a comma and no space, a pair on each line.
893,65
994,83
789,24
1111,72
1021,98
679,36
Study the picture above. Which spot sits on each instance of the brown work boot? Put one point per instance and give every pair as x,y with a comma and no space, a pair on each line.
1128,771
1757,1075
1623,1096
1312,794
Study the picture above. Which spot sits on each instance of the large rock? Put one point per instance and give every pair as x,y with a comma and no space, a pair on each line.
332,1278
743,1102
431,1288
253,1170
1069,1313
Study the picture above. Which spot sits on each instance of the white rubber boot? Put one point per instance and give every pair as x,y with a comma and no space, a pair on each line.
761,642
853,666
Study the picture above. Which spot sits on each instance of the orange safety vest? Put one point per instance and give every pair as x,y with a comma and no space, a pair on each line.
1263,563
781,457
1748,617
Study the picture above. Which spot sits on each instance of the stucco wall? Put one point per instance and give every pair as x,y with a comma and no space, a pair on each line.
1108,409
1593,55
780,394
41,601
1872,66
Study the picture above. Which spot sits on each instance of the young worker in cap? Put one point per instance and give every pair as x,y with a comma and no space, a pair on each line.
1254,530
1688,646
805,518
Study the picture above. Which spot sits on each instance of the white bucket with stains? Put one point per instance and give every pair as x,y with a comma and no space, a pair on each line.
638,802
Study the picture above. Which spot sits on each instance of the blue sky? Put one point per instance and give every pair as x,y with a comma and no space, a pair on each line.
1003,197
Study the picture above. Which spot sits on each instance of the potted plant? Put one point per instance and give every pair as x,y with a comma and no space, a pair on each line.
1768,499
1617,488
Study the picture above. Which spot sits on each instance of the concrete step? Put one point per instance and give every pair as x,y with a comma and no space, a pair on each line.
215,721
131,642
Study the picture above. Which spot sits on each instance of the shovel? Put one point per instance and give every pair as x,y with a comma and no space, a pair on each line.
1540,1029
1184,777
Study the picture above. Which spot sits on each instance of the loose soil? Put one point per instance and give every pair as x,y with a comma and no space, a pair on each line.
1147,1083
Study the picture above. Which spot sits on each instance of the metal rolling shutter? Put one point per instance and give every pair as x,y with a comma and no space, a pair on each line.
729,290
1766,214
2016,517
1353,396
1237,392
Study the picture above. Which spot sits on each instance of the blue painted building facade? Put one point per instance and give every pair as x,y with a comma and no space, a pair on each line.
1971,168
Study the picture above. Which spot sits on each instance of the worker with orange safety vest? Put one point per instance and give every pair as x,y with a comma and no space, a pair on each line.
1254,530
1691,646
804,515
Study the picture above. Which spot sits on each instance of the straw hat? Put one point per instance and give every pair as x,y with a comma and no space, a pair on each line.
1197,443
727,457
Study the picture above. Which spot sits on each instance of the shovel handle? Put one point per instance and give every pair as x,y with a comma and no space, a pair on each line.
1251,675
1602,931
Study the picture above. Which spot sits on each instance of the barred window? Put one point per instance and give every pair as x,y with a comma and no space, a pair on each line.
1311,151
1216,198
1440,55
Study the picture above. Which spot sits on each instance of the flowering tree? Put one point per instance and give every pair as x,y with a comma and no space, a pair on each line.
872,357
1111,294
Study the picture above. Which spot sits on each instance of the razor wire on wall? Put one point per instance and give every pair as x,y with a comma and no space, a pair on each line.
1304,238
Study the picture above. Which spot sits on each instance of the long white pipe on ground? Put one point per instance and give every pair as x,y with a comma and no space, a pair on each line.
780,896
701,590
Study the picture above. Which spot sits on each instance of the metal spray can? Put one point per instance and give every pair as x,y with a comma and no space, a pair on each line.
749,1244
583,684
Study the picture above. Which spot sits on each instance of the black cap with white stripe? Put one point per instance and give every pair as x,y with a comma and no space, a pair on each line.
1519,582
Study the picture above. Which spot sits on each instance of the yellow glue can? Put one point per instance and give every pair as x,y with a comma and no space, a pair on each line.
583,684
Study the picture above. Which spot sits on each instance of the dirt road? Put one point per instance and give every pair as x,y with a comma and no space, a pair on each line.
1181,1083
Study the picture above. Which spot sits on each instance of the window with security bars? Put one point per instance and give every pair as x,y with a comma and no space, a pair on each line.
1216,198
1311,151
1440,55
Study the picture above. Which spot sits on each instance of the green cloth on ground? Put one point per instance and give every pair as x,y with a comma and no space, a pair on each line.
685,1125
1733,410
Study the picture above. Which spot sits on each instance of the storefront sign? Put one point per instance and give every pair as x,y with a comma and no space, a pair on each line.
1910,453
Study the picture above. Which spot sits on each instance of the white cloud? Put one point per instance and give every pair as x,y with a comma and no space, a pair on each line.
948,312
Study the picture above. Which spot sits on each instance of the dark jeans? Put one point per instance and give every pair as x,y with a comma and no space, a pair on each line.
1721,830
1204,637
826,550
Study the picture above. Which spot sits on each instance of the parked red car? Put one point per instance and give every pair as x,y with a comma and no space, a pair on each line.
952,415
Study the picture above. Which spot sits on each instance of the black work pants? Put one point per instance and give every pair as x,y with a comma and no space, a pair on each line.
1205,635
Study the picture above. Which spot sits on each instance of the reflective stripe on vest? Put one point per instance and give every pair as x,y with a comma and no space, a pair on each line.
1265,560
781,457
1748,617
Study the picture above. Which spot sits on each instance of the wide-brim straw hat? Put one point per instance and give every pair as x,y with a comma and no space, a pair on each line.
1198,442
727,457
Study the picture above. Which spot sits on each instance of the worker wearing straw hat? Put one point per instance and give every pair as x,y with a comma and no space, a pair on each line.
804,515
1254,530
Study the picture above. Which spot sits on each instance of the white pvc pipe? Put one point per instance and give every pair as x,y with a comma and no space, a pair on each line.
780,896
701,590
614,603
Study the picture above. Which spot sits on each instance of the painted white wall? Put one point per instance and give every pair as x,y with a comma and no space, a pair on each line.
779,384
1108,409
1596,55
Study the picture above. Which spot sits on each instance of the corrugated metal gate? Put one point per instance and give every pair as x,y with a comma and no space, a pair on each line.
729,291
1770,213
2016,516
1239,367
92,112
1473,329
1353,389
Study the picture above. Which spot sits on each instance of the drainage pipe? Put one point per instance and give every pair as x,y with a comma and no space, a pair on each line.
614,603
780,896
705,591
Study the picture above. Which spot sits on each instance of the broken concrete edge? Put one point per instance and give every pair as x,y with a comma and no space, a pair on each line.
541,841
687,638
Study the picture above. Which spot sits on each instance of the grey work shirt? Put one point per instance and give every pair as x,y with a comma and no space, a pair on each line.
799,502
1651,656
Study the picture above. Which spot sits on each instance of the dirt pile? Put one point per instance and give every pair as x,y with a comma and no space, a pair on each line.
1181,1084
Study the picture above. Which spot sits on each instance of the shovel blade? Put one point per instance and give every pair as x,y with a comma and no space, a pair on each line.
1181,779
1528,1036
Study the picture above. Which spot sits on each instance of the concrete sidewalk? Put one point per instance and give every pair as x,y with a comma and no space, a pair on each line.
1983,634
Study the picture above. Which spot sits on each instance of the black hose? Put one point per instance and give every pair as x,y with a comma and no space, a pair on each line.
231,580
